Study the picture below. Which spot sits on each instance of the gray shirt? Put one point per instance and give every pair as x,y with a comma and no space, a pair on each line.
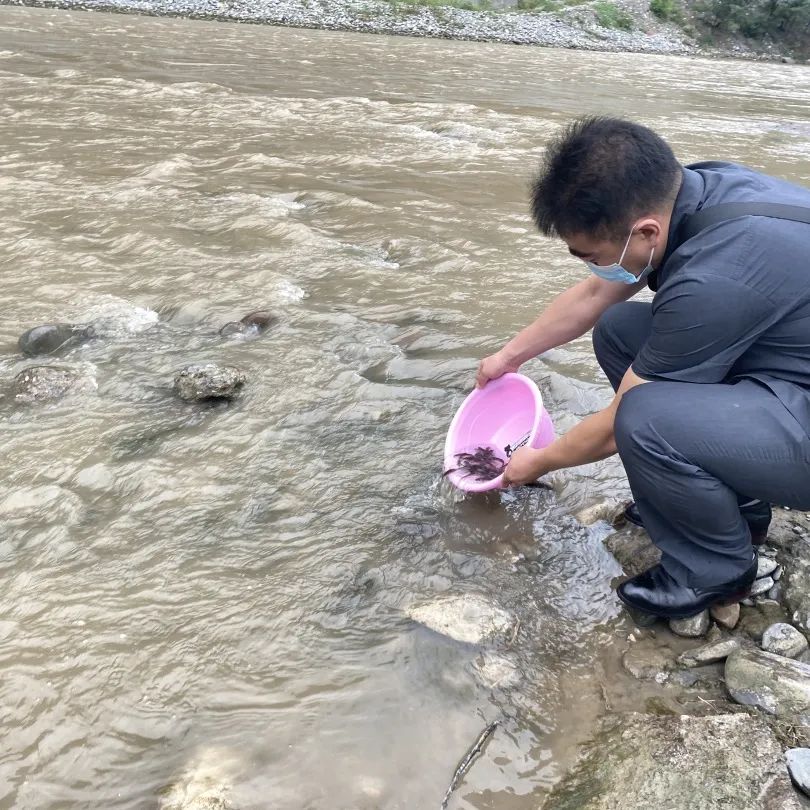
733,302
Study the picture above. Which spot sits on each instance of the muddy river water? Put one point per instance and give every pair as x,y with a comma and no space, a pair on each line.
219,596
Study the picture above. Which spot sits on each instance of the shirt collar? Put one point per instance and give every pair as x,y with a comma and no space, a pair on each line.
689,200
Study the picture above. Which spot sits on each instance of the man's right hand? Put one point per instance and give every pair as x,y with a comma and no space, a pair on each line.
492,367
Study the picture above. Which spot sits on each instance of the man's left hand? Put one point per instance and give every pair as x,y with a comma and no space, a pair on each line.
525,465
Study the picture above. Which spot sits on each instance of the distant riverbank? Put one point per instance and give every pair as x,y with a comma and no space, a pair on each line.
576,28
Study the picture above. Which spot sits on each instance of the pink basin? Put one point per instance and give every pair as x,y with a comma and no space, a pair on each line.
506,414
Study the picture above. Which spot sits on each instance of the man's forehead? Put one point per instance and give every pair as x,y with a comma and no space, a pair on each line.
584,245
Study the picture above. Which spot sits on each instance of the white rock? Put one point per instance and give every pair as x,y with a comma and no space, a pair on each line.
766,566
468,618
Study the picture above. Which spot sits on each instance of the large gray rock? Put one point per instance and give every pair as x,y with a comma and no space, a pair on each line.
209,381
778,685
468,618
53,338
784,639
47,383
798,764
638,762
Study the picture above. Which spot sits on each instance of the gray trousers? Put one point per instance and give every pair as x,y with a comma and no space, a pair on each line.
694,452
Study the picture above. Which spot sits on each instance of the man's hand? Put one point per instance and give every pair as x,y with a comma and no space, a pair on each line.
525,465
492,367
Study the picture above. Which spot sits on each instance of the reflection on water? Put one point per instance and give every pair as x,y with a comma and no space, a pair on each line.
214,600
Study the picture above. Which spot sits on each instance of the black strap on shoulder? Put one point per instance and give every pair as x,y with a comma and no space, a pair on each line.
707,217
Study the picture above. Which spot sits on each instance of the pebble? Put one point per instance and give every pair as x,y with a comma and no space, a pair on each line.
784,639
798,530
766,566
798,765
777,574
726,615
693,627
761,586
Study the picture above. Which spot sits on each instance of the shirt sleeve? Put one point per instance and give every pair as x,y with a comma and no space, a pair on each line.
701,325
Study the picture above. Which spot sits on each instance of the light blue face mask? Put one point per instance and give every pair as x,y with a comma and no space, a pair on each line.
615,272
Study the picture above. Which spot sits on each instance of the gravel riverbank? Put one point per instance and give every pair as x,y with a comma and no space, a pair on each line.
576,27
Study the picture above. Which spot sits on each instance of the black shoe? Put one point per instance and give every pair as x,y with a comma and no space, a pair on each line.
757,515
655,591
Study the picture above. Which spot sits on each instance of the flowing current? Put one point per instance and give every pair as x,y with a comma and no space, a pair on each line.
200,599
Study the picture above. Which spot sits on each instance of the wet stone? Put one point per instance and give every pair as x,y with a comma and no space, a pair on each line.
798,765
709,653
47,383
468,618
761,586
251,325
784,639
766,566
693,627
638,762
726,615
646,662
53,338
195,383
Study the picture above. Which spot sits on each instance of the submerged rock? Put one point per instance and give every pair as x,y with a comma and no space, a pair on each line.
638,762
466,618
254,323
47,383
52,338
778,685
647,663
609,511
205,784
633,550
784,639
210,381
496,671
798,764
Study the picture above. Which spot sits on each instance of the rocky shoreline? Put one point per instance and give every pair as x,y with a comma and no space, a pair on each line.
576,27
731,719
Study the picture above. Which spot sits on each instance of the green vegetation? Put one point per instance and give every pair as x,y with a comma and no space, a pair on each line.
667,10
609,15
783,21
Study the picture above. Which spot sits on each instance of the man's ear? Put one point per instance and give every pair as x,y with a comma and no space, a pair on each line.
650,228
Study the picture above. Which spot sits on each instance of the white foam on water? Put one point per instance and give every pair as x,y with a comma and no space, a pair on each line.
115,317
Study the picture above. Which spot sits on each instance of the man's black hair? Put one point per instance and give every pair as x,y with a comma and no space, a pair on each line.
599,175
